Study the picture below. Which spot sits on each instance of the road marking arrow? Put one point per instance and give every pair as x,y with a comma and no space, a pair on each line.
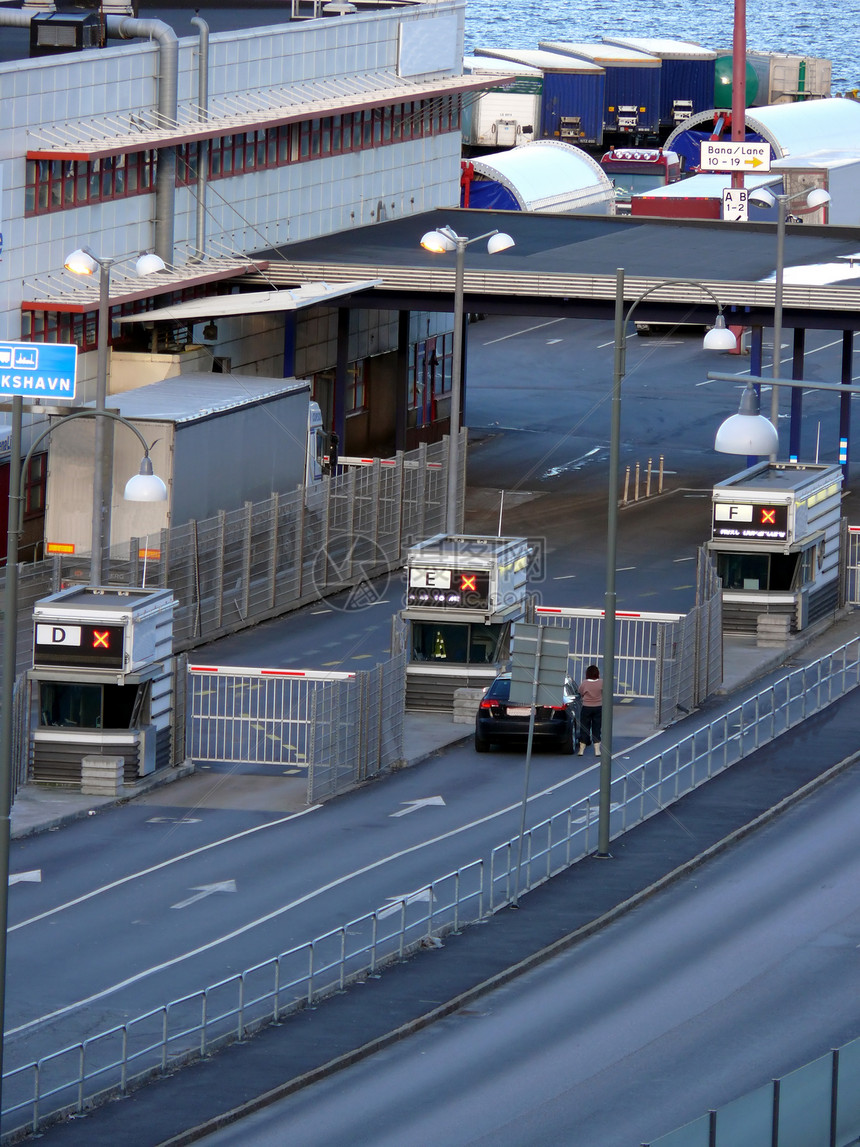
34,876
411,806
395,902
204,890
174,820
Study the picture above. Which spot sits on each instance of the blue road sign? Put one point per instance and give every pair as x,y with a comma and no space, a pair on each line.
37,370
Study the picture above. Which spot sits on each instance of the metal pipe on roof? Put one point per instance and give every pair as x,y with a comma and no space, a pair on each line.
203,146
127,28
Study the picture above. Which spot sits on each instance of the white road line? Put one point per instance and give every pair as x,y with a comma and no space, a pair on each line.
158,867
524,331
269,916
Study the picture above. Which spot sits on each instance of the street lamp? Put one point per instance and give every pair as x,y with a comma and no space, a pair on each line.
143,487
718,338
764,197
748,432
83,261
441,242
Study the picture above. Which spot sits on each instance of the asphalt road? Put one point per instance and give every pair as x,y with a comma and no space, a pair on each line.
739,973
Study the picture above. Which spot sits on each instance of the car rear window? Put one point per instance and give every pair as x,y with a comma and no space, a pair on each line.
500,690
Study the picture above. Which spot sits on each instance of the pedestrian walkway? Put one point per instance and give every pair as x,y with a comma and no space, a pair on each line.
317,1042
38,808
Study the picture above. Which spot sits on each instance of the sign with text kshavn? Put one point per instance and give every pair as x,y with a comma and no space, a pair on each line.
38,370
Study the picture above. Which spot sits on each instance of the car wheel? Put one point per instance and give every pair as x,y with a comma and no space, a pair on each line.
481,744
568,746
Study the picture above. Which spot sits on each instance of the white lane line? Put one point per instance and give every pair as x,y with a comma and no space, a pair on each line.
524,331
158,867
269,916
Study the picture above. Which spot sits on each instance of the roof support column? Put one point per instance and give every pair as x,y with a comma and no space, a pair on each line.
402,380
796,424
845,403
340,378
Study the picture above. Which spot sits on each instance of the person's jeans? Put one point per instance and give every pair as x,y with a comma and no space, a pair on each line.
590,724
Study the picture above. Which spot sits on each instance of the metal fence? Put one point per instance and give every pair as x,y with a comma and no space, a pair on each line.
112,1062
343,728
674,659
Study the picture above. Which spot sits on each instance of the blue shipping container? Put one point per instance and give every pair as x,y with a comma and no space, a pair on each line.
633,87
573,96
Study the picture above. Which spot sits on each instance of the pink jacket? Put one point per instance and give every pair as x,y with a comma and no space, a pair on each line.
591,691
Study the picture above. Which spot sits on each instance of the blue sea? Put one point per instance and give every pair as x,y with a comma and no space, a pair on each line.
793,26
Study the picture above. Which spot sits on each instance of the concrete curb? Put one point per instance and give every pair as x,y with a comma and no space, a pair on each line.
289,1087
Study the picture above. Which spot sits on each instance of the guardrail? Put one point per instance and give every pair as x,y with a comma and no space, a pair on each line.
113,1062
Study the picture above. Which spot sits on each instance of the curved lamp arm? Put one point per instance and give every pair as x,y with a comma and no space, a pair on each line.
37,441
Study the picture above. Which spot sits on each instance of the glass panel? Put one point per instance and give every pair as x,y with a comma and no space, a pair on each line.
695,1134
70,706
848,1097
743,571
748,1120
804,1105
440,642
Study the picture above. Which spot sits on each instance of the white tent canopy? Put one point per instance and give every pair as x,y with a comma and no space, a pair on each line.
548,175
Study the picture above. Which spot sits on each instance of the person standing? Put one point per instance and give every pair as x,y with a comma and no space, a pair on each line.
591,717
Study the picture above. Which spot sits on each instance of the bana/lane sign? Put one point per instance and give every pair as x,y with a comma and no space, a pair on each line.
719,155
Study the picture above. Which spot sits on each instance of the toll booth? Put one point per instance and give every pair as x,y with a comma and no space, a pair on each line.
463,593
775,537
104,679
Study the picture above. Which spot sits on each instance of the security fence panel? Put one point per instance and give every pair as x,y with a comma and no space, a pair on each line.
852,567
252,716
636,644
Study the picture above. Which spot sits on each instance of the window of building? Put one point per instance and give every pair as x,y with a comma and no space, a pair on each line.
60,184
34,486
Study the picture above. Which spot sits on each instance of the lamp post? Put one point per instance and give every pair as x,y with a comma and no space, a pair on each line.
84,262
718,338
143,487
763,197
439,242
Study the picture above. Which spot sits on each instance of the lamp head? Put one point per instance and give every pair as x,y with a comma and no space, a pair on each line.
501,241
145,486
149,264
719,337
81,262
761,197
817,197
747,432
439,242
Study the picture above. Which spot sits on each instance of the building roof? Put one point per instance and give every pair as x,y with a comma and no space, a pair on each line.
543,61
548,175
197,395
606,55
665,49
483,65
707,185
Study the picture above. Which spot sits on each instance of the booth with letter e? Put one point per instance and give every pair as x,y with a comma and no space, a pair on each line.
462,594
775,538
104,680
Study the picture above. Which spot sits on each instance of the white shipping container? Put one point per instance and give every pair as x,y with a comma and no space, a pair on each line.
507,115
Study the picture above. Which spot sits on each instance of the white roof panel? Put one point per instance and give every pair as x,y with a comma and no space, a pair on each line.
192,396
252,303
606,55
484,66
665,49
707,186
544,61
811,125
548,174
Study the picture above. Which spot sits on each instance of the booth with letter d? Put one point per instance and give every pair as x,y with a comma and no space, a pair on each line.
103,671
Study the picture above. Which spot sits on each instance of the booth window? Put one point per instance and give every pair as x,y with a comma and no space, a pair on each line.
70,705
777,573
458,644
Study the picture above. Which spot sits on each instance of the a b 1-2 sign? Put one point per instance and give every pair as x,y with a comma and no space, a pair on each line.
726,155
38,370
735,204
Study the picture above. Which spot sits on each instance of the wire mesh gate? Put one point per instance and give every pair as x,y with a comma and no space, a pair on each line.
341,727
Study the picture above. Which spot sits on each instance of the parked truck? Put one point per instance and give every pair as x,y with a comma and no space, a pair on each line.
217,441
634,170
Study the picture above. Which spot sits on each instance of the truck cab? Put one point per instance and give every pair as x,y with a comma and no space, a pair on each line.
637,169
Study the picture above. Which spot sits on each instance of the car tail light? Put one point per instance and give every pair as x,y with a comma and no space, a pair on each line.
488,705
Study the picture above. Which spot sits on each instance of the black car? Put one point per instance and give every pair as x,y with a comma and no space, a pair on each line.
498,722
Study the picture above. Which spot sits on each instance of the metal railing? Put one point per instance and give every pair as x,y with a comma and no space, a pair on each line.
114,1061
